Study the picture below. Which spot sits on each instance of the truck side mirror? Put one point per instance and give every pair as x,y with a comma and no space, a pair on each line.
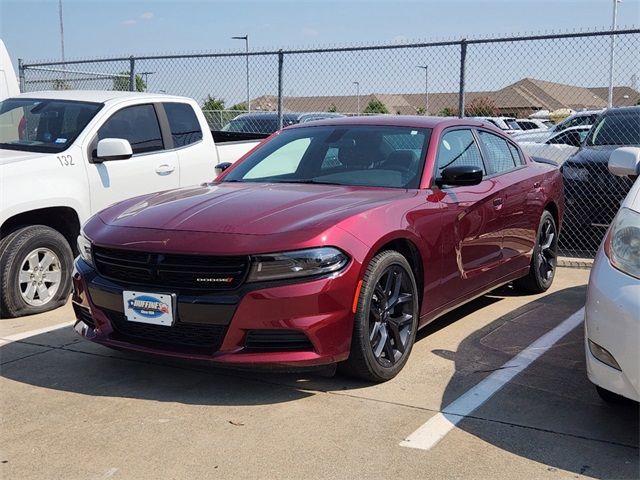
113,149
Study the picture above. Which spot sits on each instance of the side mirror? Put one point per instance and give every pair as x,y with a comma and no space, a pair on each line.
221,167
625,162
460,176
113,149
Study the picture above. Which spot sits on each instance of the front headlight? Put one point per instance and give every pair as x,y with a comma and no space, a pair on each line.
622,244
301,263
85,248
575,173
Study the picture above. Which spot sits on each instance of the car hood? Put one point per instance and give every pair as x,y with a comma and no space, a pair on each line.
595,154
14,156
248,208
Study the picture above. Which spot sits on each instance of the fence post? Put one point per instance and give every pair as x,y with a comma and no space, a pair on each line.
21,75
463,64
280,63
132,74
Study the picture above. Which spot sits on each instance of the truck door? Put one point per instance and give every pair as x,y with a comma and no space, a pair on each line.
152,167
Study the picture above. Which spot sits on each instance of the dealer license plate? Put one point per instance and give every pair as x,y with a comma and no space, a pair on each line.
153,308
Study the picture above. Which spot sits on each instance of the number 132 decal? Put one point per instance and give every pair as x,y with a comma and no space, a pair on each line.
65,160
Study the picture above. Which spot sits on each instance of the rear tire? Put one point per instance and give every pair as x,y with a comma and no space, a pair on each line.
35,271
386,319
544,258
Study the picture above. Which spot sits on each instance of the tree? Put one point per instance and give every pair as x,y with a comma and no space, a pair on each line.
122,82
332,108
421,111
240,107
481,107
447,112
375,106
213,103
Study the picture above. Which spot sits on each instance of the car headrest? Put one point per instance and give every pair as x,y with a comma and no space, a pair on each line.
401,159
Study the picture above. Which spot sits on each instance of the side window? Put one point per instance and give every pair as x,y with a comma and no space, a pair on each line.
137,124
457,148
185,128
516,154
499,158
283,161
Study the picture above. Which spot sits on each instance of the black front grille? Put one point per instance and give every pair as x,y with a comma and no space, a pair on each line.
182,337
194,272
276,340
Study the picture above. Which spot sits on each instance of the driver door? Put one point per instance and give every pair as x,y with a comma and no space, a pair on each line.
152,168
472,220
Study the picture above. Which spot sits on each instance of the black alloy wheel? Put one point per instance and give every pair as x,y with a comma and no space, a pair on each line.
386,319
544,258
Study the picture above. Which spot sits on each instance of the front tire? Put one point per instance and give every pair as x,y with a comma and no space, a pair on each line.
386,319
35,271
544,257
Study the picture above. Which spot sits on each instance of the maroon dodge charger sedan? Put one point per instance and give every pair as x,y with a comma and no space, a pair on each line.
331,242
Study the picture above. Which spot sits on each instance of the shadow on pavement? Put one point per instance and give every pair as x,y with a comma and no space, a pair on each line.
59,360
549,413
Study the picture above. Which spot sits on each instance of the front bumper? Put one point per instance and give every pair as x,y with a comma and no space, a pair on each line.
320,309
612,321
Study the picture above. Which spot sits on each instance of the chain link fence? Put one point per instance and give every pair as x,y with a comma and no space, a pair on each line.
527,86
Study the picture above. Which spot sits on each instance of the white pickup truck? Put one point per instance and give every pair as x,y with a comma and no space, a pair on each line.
65,155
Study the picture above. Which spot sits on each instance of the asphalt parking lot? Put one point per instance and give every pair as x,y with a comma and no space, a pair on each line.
72,409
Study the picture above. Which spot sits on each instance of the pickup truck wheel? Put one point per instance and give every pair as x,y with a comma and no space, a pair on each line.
543,260
36,270
386,319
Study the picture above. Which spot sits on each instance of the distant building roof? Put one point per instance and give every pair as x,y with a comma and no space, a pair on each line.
520,98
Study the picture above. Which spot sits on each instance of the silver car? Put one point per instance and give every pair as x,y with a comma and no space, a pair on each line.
612,311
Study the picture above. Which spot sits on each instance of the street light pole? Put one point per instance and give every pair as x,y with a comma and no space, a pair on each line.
246,42
426,87
357,84
612,55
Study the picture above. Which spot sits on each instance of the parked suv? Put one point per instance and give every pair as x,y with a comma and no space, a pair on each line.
592,193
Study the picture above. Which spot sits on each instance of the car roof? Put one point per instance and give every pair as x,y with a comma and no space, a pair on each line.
615,110
398,121
96,96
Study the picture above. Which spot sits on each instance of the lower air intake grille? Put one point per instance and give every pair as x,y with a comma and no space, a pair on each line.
182,337
84,314
277,340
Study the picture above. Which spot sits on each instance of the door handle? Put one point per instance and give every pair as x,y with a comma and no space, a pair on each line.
165,169
537,184
497,203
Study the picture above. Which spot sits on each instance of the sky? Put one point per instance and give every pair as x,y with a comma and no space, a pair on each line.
30,29
98,29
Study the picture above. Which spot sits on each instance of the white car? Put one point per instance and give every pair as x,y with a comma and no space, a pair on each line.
612,311
584,118
559,146
532,125
506,124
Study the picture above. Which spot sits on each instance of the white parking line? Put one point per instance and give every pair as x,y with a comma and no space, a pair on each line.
435,429
31,333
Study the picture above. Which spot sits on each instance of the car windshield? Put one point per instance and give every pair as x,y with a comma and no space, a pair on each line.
513,125
616,128
43,125
375,156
